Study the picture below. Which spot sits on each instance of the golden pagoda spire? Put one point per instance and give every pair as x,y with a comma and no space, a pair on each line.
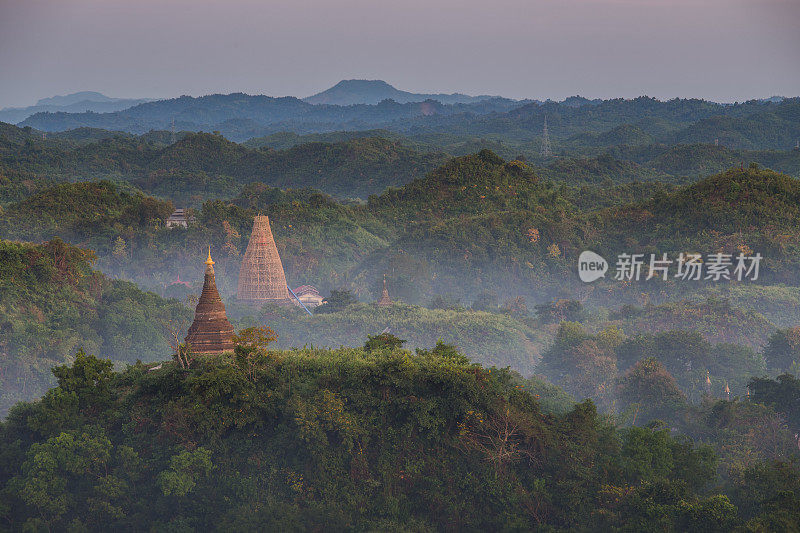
209,261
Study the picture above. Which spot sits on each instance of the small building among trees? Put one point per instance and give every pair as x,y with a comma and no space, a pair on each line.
179,218
308,295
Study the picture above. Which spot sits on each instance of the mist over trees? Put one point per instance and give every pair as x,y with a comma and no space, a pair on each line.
496,391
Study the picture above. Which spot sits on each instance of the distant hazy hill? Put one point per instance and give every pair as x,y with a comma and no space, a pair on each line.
349,92
513,127
240,116
71,103
74,98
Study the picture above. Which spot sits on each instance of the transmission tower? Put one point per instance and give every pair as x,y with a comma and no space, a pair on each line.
546,151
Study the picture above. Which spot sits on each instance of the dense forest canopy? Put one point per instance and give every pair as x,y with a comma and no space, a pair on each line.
476,223
53,303
372,438
496,391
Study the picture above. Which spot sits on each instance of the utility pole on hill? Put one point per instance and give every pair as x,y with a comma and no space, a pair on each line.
546,152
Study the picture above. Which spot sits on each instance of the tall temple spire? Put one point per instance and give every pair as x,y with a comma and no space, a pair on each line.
211,332
209,261
261,277
385,301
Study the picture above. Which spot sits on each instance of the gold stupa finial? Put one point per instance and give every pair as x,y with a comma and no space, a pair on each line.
209,261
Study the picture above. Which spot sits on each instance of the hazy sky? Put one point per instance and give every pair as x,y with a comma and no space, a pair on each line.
724,50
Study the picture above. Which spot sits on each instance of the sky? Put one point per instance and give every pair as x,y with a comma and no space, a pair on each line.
722,50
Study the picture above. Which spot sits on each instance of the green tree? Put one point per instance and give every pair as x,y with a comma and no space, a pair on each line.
782,394
337,301
251,345
443,350
186,469
383,341
89,378
650,392
783,349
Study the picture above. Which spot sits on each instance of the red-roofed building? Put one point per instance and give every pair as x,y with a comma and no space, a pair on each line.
309,295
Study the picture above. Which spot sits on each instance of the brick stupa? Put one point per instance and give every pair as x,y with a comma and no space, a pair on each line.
261,276
211,332
384,301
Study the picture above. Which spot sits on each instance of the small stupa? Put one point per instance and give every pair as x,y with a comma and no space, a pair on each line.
261,276
211,332
384,301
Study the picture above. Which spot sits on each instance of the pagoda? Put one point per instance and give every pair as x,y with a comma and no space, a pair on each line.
211,332
384,301
261,276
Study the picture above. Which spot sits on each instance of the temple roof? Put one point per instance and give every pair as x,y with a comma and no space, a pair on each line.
306,289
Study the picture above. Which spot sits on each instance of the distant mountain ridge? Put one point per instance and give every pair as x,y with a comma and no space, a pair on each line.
241,116
74,98
79,102
351,92
575,122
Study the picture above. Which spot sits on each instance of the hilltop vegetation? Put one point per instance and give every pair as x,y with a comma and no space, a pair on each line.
358,439
203,166
490,339
191,168
741,209
355,168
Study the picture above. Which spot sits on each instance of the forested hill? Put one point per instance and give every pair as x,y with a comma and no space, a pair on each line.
70,103
52,303
202,165
741,209
355,168
190,168
361,439
750,125
241,116
476,223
